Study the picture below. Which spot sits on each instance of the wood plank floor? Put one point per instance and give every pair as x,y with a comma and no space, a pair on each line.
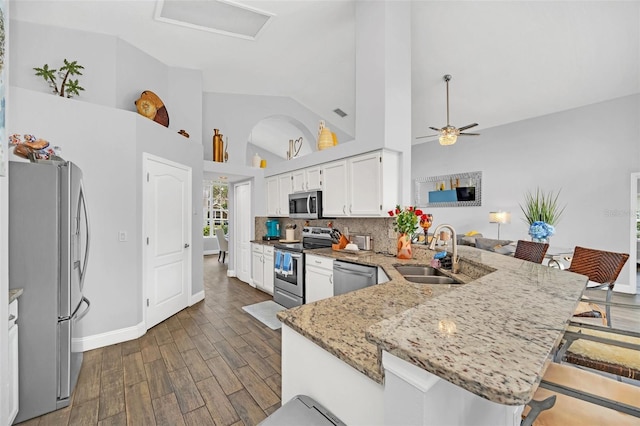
210,364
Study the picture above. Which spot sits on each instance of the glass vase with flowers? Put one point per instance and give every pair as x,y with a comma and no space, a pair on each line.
406,223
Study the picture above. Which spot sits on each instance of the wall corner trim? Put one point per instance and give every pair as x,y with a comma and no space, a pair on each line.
195,298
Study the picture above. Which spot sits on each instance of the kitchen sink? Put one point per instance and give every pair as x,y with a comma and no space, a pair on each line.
430,279
418,270
424,274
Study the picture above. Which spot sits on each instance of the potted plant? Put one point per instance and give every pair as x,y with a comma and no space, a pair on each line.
542,212
406,223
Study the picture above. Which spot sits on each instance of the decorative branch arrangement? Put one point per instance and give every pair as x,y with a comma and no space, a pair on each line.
72,87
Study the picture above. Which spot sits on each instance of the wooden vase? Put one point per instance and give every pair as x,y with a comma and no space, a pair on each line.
218,146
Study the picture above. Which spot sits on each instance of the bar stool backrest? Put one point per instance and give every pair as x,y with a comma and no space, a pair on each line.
531,251
600,266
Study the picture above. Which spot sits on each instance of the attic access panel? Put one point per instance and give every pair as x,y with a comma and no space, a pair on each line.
217,16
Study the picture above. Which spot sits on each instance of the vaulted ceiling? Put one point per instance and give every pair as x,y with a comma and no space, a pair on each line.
509,60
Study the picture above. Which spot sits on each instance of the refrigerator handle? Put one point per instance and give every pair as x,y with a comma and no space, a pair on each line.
82,206
85,312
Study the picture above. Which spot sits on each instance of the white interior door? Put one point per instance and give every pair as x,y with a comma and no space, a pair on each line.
634,242
167,239
243,228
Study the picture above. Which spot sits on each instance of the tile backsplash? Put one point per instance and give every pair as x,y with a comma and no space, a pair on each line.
377,228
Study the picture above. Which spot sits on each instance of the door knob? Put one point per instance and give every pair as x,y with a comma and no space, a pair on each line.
186,245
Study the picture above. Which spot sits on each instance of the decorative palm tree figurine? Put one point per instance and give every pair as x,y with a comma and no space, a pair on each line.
72,87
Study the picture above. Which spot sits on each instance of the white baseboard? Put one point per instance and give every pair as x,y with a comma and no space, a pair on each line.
231,272
88,343
210,252
195,298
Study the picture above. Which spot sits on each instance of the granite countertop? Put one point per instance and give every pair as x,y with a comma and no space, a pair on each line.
490,336
266,242
14,294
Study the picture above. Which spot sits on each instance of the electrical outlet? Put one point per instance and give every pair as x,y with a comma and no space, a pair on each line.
346,230
122,236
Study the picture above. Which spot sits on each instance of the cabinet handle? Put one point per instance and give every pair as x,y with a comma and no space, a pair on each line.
11,317
349,208
317,261
344,209
331,278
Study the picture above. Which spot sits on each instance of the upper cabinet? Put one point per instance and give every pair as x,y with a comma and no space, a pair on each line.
366,185
361,186
309,179
335,197
278,189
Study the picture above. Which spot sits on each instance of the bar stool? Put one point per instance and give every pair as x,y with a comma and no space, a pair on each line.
602,268
531,251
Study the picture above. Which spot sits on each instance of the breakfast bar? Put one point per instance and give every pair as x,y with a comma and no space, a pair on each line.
490,337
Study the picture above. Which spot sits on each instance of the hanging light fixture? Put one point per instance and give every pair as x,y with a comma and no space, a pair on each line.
448,135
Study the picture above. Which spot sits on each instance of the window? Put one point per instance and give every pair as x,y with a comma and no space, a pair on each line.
214,207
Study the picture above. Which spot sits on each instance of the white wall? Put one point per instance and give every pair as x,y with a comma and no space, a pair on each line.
107,143
35,45
588,153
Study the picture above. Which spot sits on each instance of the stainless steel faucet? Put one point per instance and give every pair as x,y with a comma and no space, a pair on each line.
454,242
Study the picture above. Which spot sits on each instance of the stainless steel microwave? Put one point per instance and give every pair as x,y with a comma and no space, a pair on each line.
305,205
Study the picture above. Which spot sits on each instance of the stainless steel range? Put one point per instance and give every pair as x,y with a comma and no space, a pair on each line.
289,265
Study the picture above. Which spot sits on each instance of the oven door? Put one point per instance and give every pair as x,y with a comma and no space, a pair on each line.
292,282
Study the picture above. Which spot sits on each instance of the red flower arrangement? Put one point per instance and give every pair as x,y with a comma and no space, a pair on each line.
406,219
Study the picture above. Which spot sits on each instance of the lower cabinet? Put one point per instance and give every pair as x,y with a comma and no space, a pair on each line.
262,267
13,362
318,278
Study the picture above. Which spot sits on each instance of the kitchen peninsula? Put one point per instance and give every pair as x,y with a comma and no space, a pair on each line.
401,352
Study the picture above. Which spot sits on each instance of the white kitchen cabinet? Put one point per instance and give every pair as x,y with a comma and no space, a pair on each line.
362,186
313,178
298,181
335,196
13,362
278,189
268,270
309,179
318,278
262,267
365,185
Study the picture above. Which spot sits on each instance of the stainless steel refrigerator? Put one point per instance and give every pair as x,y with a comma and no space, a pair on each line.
48,252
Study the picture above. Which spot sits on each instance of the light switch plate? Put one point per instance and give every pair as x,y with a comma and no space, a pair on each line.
122,236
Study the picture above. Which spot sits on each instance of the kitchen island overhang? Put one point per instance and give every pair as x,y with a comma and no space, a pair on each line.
491,336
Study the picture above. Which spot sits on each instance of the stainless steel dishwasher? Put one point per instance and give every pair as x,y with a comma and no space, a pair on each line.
352,276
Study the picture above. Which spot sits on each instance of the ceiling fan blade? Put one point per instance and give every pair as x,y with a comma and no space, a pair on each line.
427,136
435,128
469,134
468,126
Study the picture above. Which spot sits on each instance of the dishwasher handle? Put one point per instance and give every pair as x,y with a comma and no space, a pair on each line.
352,272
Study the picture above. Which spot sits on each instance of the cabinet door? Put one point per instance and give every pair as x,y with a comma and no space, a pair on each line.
13,373
318,284
313,178
284,188
335,193
267,278
257,266
365,185
298,183
273,196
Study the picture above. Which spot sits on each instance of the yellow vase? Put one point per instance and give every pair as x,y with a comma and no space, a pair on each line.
325,140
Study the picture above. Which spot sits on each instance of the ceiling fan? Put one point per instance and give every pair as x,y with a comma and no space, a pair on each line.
449,134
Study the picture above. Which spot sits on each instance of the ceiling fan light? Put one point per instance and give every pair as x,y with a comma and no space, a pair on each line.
448,139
